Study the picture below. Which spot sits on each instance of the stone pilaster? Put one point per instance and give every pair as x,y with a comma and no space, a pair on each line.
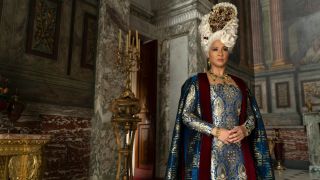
258,62
279,55
108,85
175,22
242,35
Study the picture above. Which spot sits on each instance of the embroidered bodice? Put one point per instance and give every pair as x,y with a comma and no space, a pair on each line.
226,159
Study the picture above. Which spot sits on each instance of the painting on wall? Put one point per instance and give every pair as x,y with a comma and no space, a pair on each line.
302,22
311,92
43,28
282,94
89,41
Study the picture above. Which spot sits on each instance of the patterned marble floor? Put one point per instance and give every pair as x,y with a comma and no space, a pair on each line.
293,174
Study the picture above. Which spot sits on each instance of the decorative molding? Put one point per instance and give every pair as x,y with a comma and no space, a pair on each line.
258,95
23,155
141,13
94,3
145,28
309,67
171,21
83,37
89,40
43,28
182,12
311,88
285,95
175,5
166,6
282,119
282,94
34,109
275,72
261,84
48,78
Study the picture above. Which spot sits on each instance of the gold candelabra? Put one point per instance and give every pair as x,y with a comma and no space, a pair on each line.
128,59
126,107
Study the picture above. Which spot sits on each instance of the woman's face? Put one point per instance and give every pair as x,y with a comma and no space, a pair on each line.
218,54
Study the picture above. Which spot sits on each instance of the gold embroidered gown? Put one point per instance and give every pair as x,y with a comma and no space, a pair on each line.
227,160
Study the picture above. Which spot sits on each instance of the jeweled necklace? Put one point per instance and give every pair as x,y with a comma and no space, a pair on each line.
224,78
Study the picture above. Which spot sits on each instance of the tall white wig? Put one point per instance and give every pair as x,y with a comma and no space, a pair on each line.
220,24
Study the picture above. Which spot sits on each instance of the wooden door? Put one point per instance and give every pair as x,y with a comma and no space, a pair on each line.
147,94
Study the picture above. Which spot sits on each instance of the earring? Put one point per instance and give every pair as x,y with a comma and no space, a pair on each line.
209,64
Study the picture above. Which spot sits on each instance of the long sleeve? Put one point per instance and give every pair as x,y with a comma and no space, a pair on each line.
189,117
249,123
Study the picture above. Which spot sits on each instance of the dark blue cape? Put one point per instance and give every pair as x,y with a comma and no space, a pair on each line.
184,146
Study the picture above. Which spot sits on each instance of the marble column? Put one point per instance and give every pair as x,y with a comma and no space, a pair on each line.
279,55
256,25
312,123
113,14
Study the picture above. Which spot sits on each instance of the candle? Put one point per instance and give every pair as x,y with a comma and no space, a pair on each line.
127,138
137,44
129,38
127,41
119,40
137,39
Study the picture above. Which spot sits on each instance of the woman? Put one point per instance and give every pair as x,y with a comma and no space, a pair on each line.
219,133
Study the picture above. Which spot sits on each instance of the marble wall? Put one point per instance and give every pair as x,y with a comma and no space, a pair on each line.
194,64
178,74
67,153
58,78
108,85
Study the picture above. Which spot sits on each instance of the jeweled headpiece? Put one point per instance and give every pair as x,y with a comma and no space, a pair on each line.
221,23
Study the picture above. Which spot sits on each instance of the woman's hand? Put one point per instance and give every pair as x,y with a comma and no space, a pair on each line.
237,134
223,134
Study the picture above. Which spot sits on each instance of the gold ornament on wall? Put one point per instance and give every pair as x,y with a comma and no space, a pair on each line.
309,105
311,93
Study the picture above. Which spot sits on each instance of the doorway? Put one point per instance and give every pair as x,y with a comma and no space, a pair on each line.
146,91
